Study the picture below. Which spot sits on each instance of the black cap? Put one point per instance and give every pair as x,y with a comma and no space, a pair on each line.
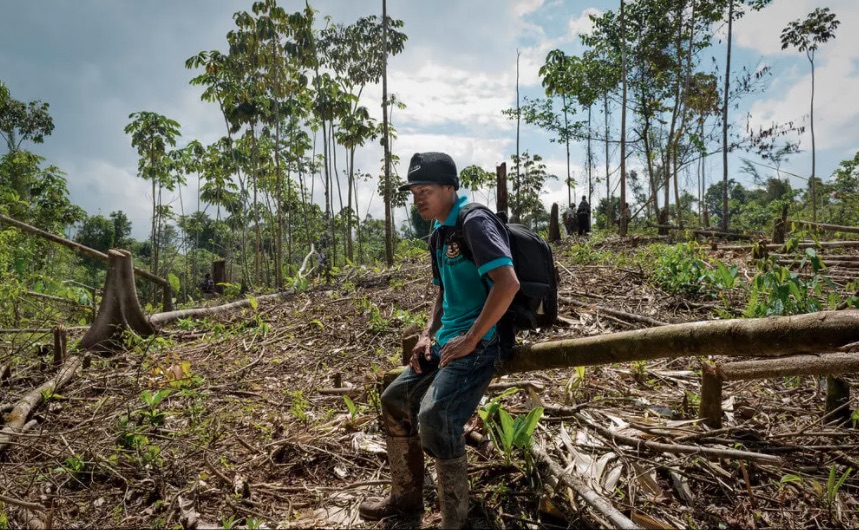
432,168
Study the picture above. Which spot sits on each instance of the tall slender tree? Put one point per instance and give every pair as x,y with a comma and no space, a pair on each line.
806,36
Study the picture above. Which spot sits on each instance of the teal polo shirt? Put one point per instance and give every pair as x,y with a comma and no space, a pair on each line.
463,280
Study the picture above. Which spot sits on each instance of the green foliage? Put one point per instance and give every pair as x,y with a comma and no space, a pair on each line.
680,269
151,413
299,406
508,433
779,291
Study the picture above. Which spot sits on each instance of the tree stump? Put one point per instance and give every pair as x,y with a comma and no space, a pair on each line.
120,309
219,275
501,187
554,225
60,340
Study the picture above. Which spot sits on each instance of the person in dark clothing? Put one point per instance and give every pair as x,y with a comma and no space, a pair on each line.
426,408
584,217
207,286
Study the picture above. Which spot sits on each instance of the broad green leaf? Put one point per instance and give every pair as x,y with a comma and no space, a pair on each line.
173,280
253,302
506,429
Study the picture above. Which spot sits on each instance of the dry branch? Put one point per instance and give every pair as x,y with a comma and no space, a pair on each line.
615,313
595,500
762,337
16,419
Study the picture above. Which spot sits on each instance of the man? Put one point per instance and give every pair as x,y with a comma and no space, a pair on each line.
425,409
570,220
584,215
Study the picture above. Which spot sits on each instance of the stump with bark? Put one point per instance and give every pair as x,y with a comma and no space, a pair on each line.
554,225
120,309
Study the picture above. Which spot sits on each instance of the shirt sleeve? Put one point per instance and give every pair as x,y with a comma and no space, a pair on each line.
487,238
436,275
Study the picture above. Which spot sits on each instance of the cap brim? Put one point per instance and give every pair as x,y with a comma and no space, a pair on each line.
406,187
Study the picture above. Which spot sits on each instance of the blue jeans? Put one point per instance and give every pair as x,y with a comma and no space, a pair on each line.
438,402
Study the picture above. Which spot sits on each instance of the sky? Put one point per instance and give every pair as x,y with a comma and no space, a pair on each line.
97,61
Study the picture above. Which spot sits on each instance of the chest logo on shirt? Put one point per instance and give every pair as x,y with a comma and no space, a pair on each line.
452,250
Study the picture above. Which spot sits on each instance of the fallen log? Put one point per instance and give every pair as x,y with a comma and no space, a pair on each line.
614,312
91,252
595,500
707,232
761,337
161,319
712,377
802,244
16,419
826,227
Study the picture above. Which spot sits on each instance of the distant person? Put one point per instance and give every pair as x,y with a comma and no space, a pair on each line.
583,213
426,408
207,286
626,214
570,221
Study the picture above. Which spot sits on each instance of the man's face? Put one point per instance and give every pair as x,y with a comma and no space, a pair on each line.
431,200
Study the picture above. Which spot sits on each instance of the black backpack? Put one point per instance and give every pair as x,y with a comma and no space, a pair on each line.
536,303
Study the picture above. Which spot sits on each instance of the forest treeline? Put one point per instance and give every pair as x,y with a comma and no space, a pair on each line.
289,86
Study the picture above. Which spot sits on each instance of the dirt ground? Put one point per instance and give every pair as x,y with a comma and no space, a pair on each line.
268,418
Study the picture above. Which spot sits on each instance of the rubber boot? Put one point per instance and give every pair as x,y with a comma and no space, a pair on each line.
406,458
453,491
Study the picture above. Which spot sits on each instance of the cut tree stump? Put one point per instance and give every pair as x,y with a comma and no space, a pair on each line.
829,364
60,341
120,309
554,225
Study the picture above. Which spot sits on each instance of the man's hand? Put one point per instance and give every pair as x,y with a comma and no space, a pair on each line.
457,347
422,348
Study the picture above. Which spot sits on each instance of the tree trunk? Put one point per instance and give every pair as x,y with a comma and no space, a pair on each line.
120,310
623,220
554,225
827,227
501,199
609,221
764,337
813,150
389,221
724,223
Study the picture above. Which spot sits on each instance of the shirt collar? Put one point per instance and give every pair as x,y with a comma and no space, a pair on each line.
454,213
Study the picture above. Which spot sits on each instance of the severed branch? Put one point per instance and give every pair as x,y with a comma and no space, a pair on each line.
303,271
594,499
16,420
615,313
